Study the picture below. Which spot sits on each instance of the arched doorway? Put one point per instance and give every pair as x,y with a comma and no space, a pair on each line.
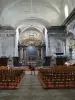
70,45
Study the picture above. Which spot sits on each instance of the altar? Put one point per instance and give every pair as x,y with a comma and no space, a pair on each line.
31,54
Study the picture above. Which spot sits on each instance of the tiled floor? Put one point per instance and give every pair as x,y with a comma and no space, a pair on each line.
31,89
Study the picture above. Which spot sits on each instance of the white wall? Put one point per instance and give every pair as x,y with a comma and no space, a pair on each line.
55,45
7,43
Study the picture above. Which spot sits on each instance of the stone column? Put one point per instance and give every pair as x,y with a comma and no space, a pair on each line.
38,55
16,42
44,50
65,47
42,54
46,42
21,53
25,56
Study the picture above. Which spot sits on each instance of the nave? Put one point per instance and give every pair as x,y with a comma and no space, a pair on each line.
37,35
31,89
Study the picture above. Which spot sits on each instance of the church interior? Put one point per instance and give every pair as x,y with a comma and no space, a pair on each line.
37,49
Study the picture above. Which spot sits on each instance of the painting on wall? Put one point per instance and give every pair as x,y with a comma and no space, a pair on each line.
32,51
7,44
58,47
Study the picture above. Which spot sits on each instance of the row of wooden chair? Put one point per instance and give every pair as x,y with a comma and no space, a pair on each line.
10,77
58,76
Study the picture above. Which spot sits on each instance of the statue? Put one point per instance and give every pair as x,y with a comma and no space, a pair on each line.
53,61
70,51
10,62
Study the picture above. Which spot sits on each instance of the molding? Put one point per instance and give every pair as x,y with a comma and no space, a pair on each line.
70,18
8,31
57,36
6,28
71,25
57,29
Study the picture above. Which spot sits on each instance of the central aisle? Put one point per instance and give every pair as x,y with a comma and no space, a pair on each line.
31,82
31,89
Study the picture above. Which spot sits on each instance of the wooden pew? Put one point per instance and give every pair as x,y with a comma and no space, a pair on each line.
58,77
11,77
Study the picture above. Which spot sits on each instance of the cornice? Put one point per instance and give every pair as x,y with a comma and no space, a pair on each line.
70,18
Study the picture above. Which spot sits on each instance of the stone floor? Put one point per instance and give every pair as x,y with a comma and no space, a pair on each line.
31,89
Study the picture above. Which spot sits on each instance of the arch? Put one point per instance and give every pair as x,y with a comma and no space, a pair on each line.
34,20
30,28
70,34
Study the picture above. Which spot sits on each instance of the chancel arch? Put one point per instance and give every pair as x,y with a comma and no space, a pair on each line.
32,45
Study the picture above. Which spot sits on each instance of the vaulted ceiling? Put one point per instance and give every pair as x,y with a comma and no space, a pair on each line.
32,16
23,13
